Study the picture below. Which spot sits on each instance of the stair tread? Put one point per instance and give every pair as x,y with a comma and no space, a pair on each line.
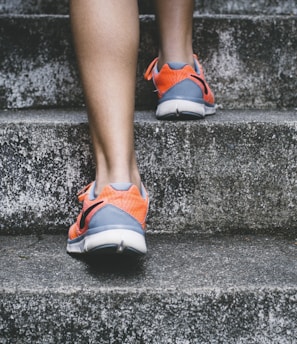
219,6
180,262
79,115
203,290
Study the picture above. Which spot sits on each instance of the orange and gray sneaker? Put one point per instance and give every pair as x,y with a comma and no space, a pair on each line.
113,222
182,90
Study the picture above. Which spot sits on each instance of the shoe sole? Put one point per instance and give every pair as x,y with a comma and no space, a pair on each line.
178,109
110,241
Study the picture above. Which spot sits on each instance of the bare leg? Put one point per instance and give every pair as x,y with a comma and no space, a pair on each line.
179,79
106,36
175,20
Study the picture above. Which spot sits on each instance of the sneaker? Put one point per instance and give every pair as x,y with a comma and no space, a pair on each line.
113,222
182,91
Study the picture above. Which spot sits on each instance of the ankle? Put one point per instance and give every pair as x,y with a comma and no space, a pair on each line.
102,181
182,58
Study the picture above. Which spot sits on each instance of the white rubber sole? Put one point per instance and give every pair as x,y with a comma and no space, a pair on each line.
183,108
119,239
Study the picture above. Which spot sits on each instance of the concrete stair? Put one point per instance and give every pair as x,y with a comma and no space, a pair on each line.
187,290
249,60
231,173
221,266
146,7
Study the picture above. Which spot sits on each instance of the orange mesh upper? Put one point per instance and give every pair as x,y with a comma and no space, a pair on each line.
168,77
129,201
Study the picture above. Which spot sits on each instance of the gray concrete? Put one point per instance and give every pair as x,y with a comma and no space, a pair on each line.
234,173
187,290
34,6
231,173
261,7
146,6
250,62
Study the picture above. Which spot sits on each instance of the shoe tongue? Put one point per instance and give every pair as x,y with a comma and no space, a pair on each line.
115,186
92,195
121,186
197,70
176,65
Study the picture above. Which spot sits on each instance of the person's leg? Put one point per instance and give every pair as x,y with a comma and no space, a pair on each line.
178,76
106,35
175,21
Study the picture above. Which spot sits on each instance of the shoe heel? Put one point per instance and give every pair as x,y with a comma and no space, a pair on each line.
180,108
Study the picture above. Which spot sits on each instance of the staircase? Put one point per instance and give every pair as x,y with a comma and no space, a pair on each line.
222,228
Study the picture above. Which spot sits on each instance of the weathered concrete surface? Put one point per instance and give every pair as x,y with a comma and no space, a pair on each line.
146,6
250,62
37,63
34,6
187,290
233,172
261,7
51,6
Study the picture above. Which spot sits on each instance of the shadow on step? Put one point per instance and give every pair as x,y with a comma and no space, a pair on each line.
127,265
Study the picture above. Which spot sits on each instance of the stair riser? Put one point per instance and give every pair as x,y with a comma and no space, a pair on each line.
259,316
262,7
146,6
249,62
209,176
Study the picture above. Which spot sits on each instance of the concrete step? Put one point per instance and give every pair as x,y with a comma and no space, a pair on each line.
230,173
240,289
250,61
146,6
262,7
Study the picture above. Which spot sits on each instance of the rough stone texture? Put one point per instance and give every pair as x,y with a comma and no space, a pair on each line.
187,290
45,161
234,172
247,60
34,6
146,6
271,7
37,63
250,62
